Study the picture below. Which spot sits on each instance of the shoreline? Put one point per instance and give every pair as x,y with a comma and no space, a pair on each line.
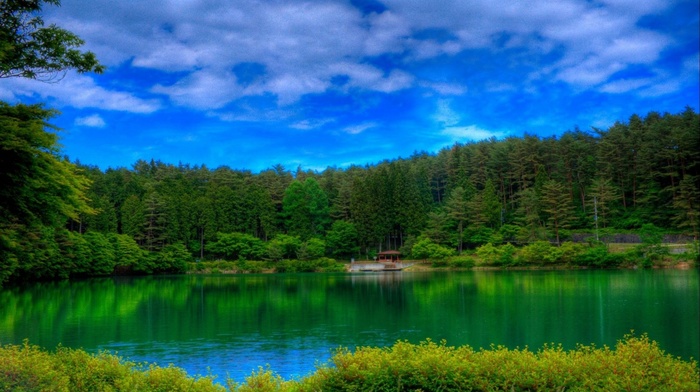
424,266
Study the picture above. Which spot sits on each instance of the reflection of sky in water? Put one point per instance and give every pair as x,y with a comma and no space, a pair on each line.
286,353
236,359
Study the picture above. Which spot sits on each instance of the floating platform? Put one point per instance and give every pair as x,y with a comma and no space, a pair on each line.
379,267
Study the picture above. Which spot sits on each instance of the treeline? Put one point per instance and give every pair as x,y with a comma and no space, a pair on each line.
643,171
519,190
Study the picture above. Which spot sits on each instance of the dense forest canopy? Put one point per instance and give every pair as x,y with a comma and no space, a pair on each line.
642,171
519,189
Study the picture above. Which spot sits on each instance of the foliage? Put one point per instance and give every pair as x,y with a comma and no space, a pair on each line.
38,192
635,364
490,254
127,253
283,246
29,49
235,246
481,235
173,258
515,190
29,368
37,185
462,261
539,252
568,252
102,258
312,248
558,207
342,238
426,249
651,248
599,256
323,264
305,207
239,266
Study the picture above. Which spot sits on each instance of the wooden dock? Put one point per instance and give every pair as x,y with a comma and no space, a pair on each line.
379,267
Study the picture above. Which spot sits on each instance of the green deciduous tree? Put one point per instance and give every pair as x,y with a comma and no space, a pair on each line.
306,210
313,248
424,248
172,258
102,257
127,253
237,246
342,239
31,50
283,246
36,185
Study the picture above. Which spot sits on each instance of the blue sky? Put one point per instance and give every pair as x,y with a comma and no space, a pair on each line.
250,84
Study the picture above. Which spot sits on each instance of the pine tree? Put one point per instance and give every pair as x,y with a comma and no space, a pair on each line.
687,205
154,223
602,197
556,203
457,206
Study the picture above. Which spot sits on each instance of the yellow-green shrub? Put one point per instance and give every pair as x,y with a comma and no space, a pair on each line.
635,364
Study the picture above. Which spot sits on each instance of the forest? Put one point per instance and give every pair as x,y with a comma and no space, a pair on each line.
60,218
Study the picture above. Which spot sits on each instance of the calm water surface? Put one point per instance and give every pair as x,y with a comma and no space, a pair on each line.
230,325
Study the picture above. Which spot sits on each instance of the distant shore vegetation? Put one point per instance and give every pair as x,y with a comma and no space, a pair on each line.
571,199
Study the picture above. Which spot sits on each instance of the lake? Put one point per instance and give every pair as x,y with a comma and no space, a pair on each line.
229,325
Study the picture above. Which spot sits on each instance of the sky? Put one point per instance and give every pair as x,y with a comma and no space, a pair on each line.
249,84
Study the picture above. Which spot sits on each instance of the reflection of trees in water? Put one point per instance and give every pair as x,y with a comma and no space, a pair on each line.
379,277
387,288
479,308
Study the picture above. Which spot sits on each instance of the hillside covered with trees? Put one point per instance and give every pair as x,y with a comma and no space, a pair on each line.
62,219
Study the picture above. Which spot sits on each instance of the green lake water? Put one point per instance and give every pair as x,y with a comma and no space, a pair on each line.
229,325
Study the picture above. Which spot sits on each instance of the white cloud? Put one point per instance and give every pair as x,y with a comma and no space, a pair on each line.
444,115
94,121
590,72
468,133
624,85
663,88
309,124
202,90
443,88
304,45
388,33
81,91
359,128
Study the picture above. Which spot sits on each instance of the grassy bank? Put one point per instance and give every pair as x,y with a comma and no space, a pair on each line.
635,364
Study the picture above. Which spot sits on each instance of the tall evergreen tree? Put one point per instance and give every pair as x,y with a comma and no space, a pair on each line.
458,209
603,196
556,203
687,205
